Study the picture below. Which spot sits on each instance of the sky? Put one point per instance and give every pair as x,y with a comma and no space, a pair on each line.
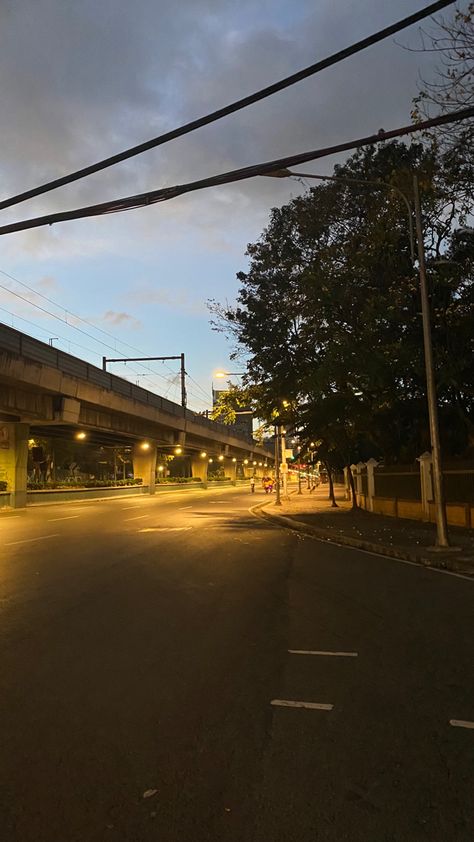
82,80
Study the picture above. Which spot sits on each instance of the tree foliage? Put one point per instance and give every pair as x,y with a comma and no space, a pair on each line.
451,39
329,309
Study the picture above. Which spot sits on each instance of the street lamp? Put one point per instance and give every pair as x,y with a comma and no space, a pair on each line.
229,373
441,522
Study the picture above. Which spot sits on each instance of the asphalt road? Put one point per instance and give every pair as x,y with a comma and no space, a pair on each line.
143,642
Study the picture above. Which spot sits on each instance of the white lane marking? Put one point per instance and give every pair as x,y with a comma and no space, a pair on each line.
182,508
321,652
461,723
28,540
288,703
126,508
165,529
67,517
137,517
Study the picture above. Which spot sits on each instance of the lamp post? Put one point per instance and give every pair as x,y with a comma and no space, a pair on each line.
442,540
277,465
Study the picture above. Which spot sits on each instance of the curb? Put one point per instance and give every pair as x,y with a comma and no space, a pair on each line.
451,564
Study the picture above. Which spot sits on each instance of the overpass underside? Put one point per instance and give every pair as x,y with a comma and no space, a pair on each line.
47,393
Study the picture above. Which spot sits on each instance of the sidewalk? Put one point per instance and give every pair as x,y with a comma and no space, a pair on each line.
311,512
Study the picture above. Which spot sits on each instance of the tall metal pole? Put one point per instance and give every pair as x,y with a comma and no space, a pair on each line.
277,466
441,523
183,381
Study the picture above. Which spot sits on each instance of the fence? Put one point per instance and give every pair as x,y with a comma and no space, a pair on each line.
407,490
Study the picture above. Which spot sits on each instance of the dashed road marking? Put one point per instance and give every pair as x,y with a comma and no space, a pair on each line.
67,517
461,723
137,517
182,508
289,703
166,529
320,652
126,508
29,540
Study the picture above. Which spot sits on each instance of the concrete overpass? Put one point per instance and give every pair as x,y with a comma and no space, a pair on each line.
44,390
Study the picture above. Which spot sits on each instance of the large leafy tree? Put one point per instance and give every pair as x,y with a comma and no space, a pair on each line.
329,311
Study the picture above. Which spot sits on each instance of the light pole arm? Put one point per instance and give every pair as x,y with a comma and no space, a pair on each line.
381,185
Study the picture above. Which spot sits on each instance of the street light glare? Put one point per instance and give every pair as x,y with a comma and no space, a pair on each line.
220,458
178,451
81,435
145,445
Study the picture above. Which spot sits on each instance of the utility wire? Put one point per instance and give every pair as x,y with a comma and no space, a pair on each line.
85,333
84,321
212,117
166,193
92,325
81,319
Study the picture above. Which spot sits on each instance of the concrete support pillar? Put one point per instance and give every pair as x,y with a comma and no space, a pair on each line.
371,465
426,479
199,468
144,465
231,471
14,461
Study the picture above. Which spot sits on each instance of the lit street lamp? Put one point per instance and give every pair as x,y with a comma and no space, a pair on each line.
221,374
441,522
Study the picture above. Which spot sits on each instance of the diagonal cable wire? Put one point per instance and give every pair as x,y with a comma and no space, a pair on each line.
238,105
166,193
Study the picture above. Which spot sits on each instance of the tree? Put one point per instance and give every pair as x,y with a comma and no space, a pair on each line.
329,312
452,39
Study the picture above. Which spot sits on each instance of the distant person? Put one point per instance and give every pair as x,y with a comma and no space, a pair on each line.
252,484
268,485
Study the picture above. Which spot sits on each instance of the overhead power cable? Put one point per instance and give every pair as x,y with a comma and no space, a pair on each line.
69,313
75,316
166,193
238,105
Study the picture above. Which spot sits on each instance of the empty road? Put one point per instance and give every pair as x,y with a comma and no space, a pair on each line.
174,668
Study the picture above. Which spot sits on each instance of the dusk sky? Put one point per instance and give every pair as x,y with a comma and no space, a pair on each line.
82,80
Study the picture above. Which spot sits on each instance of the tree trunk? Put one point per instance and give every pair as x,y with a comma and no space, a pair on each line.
331,487
353,491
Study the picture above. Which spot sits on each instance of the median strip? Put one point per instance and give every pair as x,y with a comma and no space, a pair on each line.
461,723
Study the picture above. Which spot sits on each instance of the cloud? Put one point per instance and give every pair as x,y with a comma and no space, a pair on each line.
98,77
178,300
47,284
114,318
